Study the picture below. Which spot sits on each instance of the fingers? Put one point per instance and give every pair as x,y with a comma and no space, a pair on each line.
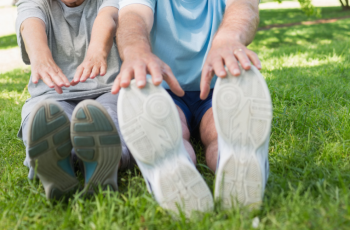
140,76
232,65
172,82
218,66
58,89
77,75
207,76
64,79
116,85
95,71
103,69
47,80
54,74
125,77
35,77
242,57
86,74
254,59
156,72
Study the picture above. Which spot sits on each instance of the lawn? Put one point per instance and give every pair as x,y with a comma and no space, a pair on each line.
307,69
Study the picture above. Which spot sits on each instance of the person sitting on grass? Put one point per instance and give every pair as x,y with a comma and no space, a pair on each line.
186,43
71,110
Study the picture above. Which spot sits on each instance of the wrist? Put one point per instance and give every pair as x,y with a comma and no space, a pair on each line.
132,50
40,53
228,37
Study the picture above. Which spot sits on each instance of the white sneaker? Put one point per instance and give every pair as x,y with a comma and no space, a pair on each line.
151,127
242,112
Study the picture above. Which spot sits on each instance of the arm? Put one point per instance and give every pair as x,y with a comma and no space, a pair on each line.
103,31
237,30
135,24
43,66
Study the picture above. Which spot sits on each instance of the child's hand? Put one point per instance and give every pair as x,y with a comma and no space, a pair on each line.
45,68
93,65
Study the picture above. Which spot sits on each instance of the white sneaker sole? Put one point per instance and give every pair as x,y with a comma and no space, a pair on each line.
242,112
151,127
96,142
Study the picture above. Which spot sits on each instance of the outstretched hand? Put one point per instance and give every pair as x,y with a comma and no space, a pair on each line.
226,52
45,68
93,65
140,63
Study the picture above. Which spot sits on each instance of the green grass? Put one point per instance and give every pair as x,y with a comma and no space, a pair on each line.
307,69
8,41
282,16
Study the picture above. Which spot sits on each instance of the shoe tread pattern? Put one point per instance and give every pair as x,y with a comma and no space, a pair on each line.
48,145
152,131
242,112
96,142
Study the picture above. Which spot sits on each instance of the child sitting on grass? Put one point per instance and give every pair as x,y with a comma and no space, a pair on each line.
69,59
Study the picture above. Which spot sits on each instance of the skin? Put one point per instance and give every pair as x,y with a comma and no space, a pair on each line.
229,46
42,63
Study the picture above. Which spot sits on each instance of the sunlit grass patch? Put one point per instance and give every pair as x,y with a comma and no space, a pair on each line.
8,41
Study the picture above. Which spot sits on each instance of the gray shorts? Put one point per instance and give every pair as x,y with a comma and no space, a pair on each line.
109,102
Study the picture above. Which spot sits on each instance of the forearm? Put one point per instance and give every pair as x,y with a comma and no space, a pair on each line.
240,21
103,31
133,34
35,38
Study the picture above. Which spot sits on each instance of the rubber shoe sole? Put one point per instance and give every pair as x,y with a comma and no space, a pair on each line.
49,148
242,112
97,143
151,127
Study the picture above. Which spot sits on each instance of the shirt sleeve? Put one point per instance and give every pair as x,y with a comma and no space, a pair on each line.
27,9
106,3
150,3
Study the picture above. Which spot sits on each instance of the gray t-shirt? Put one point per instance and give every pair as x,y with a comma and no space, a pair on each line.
68,32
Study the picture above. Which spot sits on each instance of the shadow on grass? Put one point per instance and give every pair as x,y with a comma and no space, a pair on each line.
282,16
302,37
8,41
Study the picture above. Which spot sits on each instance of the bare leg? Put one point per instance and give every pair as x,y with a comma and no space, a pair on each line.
209,137
186,135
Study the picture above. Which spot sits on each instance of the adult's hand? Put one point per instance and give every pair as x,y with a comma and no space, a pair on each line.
42,63
135,24
94,64
45,68
226,52
137,64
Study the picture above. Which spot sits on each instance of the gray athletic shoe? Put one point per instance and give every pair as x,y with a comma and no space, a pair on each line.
151,127
96,142
49,148
243,112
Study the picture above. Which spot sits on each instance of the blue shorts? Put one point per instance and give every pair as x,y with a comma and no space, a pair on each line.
193,107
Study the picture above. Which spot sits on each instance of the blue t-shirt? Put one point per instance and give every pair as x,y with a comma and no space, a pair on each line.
182,34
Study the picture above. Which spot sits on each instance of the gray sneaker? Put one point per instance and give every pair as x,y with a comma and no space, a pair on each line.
49,148
242,112
96,142
151,127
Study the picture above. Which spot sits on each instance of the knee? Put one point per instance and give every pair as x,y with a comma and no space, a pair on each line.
190,151
185,131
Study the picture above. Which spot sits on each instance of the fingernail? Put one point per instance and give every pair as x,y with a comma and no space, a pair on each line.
140,83
236,72
222,73
158,78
